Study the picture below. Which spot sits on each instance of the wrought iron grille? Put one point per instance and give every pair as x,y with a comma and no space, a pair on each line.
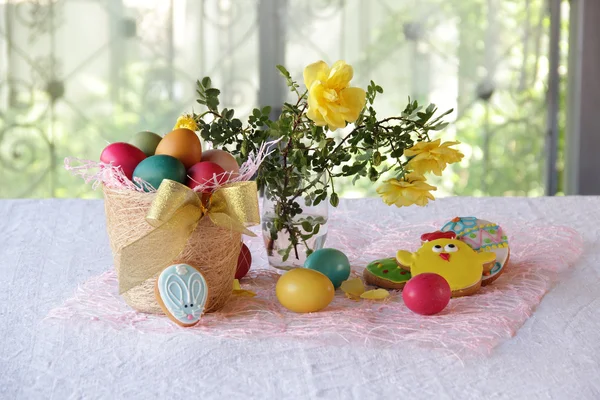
77,74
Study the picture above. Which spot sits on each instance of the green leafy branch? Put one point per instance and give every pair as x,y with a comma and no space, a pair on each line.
302,168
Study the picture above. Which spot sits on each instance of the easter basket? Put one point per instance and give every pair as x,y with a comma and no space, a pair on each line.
206,233
213,250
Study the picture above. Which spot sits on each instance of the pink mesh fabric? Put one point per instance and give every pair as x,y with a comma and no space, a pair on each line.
474,324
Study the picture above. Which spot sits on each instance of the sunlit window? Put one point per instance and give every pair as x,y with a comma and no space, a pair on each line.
76,75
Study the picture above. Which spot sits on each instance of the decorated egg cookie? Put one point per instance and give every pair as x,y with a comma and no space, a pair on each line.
386,273
181,292
482,235
454,260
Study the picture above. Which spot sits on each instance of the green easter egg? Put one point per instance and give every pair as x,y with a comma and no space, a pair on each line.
156,168
146,142
330,262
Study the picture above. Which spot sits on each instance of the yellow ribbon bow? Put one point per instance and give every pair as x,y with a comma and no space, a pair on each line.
174,214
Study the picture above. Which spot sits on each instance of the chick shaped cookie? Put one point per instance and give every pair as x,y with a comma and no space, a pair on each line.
453,259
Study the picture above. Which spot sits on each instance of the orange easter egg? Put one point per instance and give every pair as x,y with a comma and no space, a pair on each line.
183,144
223,159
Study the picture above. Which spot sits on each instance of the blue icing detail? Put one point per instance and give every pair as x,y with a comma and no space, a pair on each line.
460,225
183,291
497,267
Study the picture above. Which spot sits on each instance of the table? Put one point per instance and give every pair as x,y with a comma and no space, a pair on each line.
49,247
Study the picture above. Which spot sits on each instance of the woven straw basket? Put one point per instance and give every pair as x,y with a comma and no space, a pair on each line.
211,249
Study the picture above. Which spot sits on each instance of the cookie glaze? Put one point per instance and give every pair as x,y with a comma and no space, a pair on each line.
482,235
459,224
426,237
182,292
388,269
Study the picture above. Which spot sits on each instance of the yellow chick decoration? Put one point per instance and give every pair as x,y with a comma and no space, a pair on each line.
442,254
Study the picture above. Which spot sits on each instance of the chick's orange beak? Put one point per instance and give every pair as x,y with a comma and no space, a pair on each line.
445,256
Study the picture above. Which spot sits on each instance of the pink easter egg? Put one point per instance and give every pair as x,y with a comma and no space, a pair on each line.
426,294
122,155
223,159
206,173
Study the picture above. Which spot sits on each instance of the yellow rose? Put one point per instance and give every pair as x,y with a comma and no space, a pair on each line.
411,190
186,121
330,100
432,156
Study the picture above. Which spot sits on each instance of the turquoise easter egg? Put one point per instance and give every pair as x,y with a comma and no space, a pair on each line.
156,168
146,142
330,262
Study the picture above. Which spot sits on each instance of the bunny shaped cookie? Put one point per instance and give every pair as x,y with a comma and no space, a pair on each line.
181,292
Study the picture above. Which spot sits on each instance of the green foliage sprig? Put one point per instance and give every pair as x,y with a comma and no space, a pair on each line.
302,168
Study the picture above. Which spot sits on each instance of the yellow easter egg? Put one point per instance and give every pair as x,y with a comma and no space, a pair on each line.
304,290
183,144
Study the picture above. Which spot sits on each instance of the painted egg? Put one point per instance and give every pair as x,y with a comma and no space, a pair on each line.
122,155
304,290
223,159
426,294
146,142
156,168
332,263
244,262
183,144
206,173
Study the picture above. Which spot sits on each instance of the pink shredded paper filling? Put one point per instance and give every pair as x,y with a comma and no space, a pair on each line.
469,324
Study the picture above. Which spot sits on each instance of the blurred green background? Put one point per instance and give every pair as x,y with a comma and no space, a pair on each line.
77,75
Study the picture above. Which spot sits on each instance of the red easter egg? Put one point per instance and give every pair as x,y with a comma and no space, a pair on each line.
203,173
122,155
426,294
244,262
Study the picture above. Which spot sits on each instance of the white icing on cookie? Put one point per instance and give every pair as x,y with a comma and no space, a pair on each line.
182,293
181,269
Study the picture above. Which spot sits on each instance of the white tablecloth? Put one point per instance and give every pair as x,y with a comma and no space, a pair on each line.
49,247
